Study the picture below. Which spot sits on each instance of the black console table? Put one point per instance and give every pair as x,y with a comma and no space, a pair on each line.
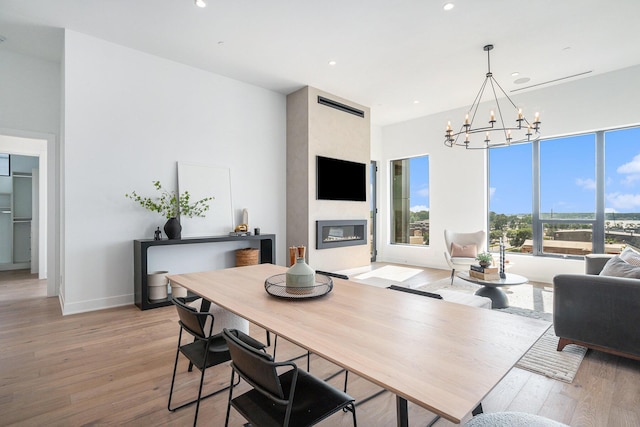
140,248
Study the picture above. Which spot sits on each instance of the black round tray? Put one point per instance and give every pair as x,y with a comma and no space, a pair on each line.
277,286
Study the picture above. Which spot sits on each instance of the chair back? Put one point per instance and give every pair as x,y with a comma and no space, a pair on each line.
192,320
255,366
477,238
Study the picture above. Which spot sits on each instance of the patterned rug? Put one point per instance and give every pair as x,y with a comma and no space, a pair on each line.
543,358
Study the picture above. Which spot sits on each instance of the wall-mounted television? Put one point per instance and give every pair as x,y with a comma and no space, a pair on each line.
340,180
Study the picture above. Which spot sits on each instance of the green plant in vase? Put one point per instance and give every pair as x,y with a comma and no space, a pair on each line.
171,205
485,259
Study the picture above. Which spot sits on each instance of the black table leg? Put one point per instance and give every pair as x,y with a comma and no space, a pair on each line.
401,412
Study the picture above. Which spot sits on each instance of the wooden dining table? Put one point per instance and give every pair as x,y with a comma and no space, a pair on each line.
442,356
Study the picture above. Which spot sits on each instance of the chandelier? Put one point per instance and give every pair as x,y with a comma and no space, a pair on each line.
496,133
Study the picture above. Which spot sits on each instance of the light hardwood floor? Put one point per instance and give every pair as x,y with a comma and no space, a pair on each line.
113,367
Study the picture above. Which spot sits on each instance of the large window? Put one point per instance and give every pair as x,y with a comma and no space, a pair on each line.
410,201
583,194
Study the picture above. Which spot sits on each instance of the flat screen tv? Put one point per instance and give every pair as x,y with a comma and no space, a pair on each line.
340,180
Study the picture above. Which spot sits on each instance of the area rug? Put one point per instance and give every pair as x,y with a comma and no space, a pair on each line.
543,358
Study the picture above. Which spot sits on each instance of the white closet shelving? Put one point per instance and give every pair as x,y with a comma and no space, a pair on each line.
15,220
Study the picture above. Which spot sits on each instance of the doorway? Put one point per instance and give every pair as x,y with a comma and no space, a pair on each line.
18,212
19,144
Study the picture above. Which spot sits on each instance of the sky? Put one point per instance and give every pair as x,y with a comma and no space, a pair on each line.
419,184
567,175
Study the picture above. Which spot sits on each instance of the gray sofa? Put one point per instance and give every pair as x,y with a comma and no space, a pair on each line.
598,312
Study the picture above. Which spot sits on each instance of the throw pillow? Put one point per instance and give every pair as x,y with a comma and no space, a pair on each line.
617,267
463,251
631,256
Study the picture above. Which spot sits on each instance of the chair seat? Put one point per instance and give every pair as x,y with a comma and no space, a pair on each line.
218,352
314,401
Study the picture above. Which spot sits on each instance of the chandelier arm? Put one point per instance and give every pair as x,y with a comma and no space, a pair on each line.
477,100
511,101
495,96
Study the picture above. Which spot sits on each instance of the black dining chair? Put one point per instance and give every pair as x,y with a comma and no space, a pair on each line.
204,351
281,394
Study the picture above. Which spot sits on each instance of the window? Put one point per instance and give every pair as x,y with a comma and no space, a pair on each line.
622,188
584,194
5,165
510,195
410,201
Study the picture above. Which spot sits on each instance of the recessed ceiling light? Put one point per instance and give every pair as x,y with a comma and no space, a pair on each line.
522,80
332,63
515,73
448,6
200,3
416,102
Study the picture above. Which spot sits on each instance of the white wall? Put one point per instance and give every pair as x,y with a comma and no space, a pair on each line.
458,177
29,93
128,118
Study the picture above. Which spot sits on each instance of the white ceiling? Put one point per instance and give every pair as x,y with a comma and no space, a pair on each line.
389,53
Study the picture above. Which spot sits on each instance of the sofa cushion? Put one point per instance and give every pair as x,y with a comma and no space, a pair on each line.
463,251
617,267
631,256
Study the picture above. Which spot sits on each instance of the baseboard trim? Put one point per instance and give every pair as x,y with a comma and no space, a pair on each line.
96,304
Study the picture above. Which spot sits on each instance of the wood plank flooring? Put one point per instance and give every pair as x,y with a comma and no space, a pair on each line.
113,367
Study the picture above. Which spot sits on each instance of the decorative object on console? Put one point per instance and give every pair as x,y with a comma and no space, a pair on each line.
157,285
523,131
173,228
171,205
157,235
247,256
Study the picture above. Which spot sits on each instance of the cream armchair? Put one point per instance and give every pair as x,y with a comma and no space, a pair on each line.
467,246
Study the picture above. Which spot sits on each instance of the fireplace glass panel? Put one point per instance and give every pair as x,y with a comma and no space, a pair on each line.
331,234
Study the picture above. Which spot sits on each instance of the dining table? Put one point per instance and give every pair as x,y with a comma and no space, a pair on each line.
443,356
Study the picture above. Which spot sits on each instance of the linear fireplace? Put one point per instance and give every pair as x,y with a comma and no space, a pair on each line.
338,233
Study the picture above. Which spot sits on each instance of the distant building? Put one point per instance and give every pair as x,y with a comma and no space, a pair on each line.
570,247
